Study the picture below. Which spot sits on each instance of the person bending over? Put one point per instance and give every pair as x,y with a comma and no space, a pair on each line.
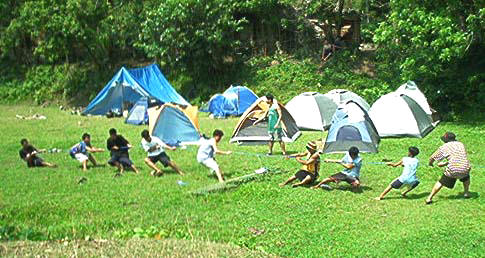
81,151
154,147
118,147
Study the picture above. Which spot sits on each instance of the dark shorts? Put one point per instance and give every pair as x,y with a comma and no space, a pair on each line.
343,177
396,184
162,157
450,181
36,162
122,159
276,136
302,174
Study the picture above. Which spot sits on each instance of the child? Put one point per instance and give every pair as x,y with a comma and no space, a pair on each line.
80,151
118,147
208,149
309,170
352,164
28,153
154,147
408,176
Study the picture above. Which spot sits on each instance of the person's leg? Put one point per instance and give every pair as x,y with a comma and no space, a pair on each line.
410,189
92,159
175,167
290,179
212,164
305,181
387,190
324,181
219,174
152,165
270,145
134,168
356,186
283,148
85,165
466,188
118,166
47,164
436,188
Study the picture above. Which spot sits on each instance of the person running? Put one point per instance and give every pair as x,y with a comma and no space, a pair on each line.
408,175
118,147
80,151
352,164
28,153
154,148
274,124
207,151
310,168
457,165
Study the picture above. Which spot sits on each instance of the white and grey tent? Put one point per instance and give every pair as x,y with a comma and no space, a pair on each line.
312,111
246,133
411,90
399,115
340,96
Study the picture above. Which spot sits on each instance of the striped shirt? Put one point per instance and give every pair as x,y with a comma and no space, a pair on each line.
455,153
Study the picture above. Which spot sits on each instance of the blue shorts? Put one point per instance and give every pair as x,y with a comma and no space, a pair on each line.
396,184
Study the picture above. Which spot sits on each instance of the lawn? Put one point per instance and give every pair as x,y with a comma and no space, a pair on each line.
50,204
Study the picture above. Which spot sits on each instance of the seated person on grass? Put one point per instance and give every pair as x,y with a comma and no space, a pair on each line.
408,176
29,154
352,164
118,147
154,147
309,170
207,151
80,151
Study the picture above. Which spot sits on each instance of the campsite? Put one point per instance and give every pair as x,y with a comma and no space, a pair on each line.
241,128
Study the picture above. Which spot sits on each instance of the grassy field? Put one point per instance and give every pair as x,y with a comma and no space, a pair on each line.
49,204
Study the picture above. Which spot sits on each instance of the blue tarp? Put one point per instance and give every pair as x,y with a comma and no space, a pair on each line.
138,114
233,102
129,85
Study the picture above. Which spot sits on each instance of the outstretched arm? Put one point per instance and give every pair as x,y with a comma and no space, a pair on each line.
397,164
345,165
309,161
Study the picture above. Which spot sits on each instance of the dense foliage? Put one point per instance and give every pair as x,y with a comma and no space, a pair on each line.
203,46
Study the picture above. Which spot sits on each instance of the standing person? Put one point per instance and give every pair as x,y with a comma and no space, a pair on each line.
457,165
154,147
80,151
207,151
28,153
310,168
408,176
118,147
352,164
274,124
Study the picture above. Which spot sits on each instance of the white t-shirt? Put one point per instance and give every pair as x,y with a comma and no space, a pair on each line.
206,150
155,141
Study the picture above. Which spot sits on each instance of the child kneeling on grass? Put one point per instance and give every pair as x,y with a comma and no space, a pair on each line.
408,176
352,164
309,170
207,151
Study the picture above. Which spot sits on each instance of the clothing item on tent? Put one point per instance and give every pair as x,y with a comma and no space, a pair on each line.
129,85
351,126
247,133
233,102
340,96
138,114
312,111
174,124
398,115
411,90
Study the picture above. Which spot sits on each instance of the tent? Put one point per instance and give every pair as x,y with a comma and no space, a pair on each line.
312,111
398,115
233,102
247,133
340,96
174,124
129,85
139,113
411,90
351,126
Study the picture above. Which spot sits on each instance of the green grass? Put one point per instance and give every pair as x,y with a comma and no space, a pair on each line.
49,204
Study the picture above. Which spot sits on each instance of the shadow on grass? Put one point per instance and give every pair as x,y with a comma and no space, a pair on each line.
408,197
473,195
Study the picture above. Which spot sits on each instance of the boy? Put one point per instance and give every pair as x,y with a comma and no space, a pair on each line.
154,147
309,170
208,149
352,164
118,147
80,151
408,176
274,124
28,153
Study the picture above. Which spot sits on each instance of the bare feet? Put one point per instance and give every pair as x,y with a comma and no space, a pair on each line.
378,198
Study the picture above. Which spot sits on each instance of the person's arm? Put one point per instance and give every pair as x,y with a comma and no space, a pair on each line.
309,161
93,149
125,142
345,165
165,146
397,164
437,156
278,109
262,117
217,151
302,154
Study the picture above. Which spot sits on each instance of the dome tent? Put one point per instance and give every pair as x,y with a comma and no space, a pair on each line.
411,90
311,111
340,96
233,102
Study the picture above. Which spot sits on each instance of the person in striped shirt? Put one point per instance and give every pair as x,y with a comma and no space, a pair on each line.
457,165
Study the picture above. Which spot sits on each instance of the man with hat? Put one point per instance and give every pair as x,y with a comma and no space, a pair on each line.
457,165
309,171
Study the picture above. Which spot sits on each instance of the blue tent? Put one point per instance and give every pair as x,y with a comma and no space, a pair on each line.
129,85
351,126
139,113
233,102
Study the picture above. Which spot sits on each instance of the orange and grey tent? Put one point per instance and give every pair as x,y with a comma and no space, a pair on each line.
248,133
174,124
